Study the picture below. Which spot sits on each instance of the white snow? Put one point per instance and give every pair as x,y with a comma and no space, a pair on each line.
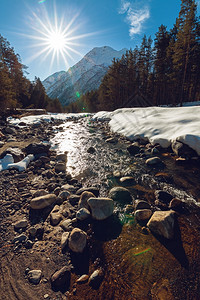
47,118
161,125
8,162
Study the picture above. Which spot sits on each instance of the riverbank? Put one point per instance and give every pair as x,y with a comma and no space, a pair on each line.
130,262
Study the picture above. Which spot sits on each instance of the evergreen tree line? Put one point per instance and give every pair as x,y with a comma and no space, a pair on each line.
16,91
166,73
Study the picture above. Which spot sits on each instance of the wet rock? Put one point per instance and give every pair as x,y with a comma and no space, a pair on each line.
61,279
60,167
62,157
37,148
84,198
133,148
120,194
82,214
101,208
91,189
153,161
34,276
127,180
96,278
43,201
141,204
82,279
162,223
64,240
21,224
143,214
77,240
91,150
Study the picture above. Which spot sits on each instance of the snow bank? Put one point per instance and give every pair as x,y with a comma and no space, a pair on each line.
8,162
47,118
161,125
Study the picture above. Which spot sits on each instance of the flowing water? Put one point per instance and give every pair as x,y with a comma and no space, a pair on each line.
136,264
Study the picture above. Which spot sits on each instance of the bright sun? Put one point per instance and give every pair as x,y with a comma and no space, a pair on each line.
55,38
57,41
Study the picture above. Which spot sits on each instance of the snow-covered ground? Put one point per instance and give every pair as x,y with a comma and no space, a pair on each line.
157,124
161,125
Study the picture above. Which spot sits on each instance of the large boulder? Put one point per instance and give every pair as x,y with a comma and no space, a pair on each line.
43,201
77,240
162,223
101,208
120,194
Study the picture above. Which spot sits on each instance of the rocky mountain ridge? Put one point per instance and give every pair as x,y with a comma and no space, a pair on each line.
84,76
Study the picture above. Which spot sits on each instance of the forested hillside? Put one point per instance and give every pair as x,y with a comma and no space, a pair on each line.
15,89
167,72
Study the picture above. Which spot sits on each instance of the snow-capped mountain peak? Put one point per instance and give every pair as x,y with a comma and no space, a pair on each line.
64,85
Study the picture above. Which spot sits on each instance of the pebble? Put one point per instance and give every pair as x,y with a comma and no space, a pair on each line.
34,276
82,214
153,161
82,279
143,214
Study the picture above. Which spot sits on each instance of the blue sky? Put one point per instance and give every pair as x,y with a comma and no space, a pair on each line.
29,24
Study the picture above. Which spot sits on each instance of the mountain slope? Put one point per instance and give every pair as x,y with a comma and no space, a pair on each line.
84,76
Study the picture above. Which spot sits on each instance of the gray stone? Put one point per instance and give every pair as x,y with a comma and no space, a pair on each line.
77,240
16,153
43,201
55,218
162,223
101,208
153,161
143,214
84,198
68,187
21,224
82,214
120,194
34,276
183,150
